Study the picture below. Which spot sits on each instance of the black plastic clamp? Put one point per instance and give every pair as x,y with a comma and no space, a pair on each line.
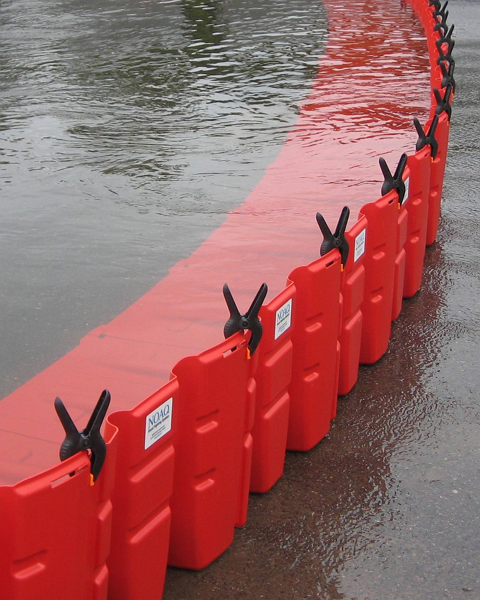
440,11
427,139
451,45
395,181
445,57
448,75
337,239
443,104
249,320
446,35
89,439
442,27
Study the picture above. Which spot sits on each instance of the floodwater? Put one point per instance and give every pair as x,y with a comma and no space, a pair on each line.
128,130
387,507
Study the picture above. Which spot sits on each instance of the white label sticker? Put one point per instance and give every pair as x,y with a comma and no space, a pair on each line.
283,319
359,245
407,189
158,423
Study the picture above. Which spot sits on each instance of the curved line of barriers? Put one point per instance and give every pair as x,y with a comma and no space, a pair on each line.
158,489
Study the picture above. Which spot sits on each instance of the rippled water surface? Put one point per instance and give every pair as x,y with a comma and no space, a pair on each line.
128,129
387,506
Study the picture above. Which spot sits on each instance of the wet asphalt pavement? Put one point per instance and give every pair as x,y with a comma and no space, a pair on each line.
388,506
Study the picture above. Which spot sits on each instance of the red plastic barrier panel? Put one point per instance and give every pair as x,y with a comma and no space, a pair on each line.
400,260
352,293
141,495
437,173
400,252
440,45
429,21
212,452
432,38
379,262
428,11
436,79
272,404
313,389
423,11
416,204
55,532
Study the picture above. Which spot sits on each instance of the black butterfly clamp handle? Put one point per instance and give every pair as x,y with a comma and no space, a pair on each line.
446,37
447,74
444,30
446,57
89,439
443,104
248,321
436,4
450,46
427,139
440,11
395,181
441,26
337,239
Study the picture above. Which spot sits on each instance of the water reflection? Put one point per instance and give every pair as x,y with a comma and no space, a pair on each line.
147,90
205,22
128,130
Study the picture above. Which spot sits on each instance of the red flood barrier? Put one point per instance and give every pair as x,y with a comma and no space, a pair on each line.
434,39
141,495
230,416
440,46
351,298
313,388
400,260
212,452
337,240
424,12
400,183
433,18
437,173
416,203
56,531
379,262
442,76
272,405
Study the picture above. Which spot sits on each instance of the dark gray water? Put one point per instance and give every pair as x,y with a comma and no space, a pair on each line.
388,506
127,131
